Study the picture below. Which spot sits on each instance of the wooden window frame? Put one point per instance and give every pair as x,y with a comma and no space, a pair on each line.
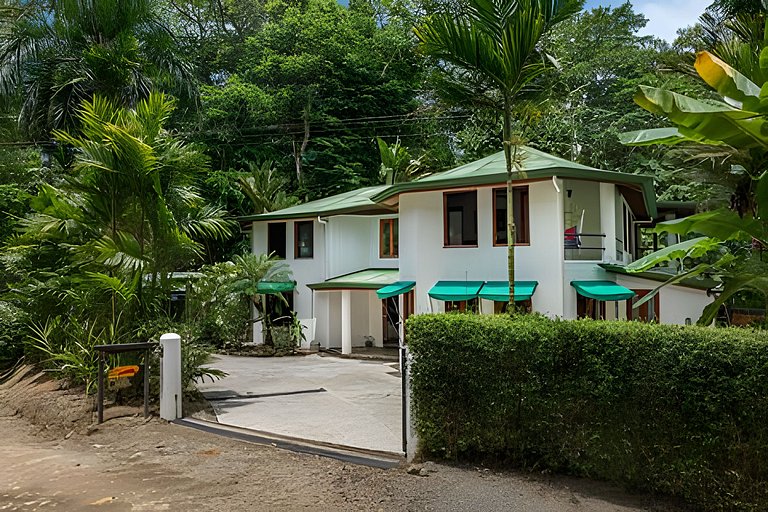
394,250
446,243
296,251
656,305
526,216
599,309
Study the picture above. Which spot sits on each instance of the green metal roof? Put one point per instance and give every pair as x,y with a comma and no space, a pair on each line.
355,201
455,290
275,286
498,291
662,275
602,290
395,289
369,279
536,165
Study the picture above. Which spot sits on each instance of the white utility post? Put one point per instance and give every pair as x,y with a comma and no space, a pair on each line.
170,377
346,322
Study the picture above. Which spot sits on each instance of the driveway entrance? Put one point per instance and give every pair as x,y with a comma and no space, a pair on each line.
320,398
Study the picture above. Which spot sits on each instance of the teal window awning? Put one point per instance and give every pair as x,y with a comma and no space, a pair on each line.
267,287
395,289
498,291
456,290
602,290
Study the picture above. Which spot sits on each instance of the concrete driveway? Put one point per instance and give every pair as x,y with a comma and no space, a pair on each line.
321,398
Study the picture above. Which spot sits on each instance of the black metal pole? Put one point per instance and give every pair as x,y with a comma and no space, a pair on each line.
146,383
100,405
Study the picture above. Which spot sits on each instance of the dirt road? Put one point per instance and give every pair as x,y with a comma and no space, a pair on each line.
128,464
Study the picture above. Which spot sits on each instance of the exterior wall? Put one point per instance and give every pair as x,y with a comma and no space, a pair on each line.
585,197
353,245
608,198
305,271
424,259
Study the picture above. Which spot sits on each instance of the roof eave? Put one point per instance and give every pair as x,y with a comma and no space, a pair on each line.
359,210
705,284
646,183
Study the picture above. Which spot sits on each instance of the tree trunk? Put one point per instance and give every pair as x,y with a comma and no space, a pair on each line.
511,229
298,152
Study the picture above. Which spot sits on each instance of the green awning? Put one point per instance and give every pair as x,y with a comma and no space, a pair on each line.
395,289
275,286
369,279
498,291
455,290
602,290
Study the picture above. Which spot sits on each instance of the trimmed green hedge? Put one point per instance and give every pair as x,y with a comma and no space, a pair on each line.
677,410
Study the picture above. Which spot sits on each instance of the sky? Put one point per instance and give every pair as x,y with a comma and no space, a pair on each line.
664,16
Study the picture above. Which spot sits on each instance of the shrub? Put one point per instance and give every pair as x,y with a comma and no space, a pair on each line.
677,410
13,330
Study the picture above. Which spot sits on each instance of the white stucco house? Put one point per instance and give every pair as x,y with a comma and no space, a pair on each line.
366,259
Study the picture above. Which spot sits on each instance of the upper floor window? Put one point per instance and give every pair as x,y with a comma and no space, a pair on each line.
276,239
520,207
460,218
304,238
388,234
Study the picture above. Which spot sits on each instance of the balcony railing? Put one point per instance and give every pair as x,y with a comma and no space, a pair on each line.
584,247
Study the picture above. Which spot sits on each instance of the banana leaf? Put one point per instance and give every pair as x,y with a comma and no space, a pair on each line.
694,248
721,224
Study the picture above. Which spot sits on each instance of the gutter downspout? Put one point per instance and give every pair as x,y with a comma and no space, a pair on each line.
554,183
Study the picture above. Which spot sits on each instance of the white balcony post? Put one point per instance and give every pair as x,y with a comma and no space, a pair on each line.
170,377
346,322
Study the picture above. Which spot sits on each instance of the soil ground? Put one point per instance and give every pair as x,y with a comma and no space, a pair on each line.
53,458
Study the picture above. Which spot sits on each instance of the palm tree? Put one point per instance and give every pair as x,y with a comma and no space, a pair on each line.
266,188
57,54
130,207
497,40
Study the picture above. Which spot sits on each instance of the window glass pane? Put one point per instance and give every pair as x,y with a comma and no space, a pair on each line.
304,239
461,218
520,205
501,216
385,239
276,239
395,237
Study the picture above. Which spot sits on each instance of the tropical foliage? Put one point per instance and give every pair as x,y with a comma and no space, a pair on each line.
731,132
55,55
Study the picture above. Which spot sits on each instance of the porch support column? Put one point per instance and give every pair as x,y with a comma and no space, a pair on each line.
346,322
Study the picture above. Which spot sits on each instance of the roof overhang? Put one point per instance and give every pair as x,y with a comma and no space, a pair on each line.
369,279
638,189
658,275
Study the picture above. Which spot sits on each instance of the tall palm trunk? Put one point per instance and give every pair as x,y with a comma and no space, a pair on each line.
511,229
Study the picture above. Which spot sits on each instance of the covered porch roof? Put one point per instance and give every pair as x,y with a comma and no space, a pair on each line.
368,279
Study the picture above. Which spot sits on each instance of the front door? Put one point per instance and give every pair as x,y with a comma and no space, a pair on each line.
391,321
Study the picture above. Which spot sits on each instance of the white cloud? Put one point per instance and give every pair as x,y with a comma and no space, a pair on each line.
665,17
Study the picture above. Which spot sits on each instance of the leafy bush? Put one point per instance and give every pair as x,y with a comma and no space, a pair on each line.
196,356
13,330
677,410
66,348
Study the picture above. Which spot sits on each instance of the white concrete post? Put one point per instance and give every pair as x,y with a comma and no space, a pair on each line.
170,377
346,322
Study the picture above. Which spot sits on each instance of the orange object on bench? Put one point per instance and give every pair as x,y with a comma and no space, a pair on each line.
122,372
